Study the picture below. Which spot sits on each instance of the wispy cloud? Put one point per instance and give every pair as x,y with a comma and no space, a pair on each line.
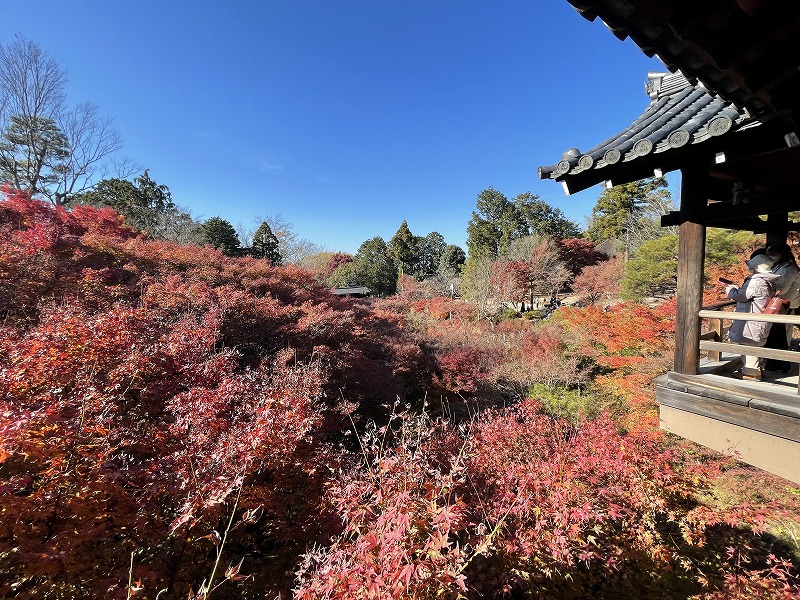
268,166
202,134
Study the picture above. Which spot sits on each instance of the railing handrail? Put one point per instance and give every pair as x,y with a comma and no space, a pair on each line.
741,316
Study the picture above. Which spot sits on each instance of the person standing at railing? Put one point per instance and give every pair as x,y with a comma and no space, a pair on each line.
788,286
752,297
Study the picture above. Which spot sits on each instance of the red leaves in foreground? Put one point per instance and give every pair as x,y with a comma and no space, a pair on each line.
516,501
144,386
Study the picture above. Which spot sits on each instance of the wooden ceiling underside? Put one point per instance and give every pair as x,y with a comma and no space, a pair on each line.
747,51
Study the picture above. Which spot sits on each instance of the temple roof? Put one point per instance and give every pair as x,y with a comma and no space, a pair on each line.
734,91
680,114
747,51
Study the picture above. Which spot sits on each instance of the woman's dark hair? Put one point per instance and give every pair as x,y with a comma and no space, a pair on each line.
758,252
781,250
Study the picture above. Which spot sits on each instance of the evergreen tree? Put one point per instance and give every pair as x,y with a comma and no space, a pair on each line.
33,153
544,220
452,261
617,210
220,234
145,204
493,225
403,248
429,252
498,221
653,271
46,148
376,266
265,244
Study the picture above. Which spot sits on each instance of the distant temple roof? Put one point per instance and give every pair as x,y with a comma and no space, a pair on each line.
680,114
355,290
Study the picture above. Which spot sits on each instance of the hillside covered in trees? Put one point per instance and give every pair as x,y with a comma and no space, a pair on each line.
178,423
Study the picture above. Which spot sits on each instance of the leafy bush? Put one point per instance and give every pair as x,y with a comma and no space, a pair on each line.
574,405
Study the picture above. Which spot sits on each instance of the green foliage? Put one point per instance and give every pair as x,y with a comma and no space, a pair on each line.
221,235
430,250
47,149
506,313
544,220
265,244
533,315
654,270
144,204
725,246
33,151
575,404
346,275
403,248
451,261
493,225
377,268
617,208
498,221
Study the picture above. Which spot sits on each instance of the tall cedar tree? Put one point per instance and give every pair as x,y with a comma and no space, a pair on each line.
265,244
376,266
429,252
403,248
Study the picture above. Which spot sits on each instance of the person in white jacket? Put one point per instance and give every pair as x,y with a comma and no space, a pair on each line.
752,297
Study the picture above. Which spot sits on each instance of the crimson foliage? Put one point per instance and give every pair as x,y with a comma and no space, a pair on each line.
143,384
174,419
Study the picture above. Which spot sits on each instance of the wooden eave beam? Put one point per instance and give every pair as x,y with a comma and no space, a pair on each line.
721,211
754,224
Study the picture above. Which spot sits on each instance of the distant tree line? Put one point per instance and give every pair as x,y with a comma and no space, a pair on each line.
516,247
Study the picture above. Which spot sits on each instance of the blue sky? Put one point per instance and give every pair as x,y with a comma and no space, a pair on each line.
345,117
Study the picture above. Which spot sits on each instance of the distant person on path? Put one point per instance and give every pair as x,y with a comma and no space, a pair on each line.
787,285
751,297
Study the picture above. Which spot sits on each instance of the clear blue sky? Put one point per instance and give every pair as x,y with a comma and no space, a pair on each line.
345,117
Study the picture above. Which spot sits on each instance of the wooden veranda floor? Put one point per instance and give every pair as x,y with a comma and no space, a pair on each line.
758,421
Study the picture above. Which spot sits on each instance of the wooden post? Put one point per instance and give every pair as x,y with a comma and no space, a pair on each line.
716,328
691,257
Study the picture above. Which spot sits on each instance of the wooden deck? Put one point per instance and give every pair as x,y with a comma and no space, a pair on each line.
758,421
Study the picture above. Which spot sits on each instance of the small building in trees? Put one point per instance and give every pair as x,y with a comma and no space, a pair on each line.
353,291
728,117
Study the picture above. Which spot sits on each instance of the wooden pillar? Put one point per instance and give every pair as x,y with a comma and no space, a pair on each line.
691,258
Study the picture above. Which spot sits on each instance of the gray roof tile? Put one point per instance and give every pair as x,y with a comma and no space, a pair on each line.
680,114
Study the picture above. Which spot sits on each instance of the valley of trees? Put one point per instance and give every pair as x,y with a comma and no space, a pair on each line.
189,412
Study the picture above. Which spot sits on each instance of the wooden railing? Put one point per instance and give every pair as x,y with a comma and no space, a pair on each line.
712,340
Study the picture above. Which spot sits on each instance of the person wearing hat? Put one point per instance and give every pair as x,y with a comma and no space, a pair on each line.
788,286
752,297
